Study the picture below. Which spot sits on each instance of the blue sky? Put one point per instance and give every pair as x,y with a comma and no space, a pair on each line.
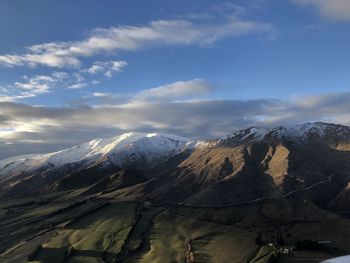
90,67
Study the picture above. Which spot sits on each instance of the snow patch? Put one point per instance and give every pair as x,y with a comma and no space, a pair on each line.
121,149
299,132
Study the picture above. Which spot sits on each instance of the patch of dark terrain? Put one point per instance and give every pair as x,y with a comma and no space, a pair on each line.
120,180
137,241
24,229
198,249
86,177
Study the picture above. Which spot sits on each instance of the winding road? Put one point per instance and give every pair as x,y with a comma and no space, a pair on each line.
329,179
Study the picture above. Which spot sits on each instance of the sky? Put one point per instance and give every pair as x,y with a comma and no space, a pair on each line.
73,71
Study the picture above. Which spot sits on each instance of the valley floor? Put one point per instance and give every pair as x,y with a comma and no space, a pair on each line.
68,227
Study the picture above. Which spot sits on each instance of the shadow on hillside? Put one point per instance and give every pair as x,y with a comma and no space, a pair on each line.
50,255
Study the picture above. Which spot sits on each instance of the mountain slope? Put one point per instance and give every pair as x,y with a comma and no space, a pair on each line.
29,173
259,162
118,149
245,165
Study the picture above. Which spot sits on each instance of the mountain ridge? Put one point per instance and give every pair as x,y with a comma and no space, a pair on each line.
93,150
297,132
248,163
258,131
269,182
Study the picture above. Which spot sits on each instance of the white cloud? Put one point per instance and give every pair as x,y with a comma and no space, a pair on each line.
60,75
175,91
41,84
336,10
95,69
37,85
78,76
101,94
33,86
95,82
4,90
78,85
5,95
128,38
61,127
115,66
5,98
33,59
108,68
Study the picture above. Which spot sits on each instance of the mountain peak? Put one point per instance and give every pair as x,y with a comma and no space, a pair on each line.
135,147
297,132
125,148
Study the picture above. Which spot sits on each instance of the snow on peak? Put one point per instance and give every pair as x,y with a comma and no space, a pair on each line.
294,132
104,147
123,148
133,147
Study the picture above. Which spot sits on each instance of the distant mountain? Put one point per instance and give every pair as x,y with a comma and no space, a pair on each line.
129,150
246,165
307,132
123,150
258,162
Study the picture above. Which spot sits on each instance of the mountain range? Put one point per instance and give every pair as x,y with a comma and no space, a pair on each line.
260,179
247,164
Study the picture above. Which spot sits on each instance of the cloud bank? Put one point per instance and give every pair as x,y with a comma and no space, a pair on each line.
26,129
175,91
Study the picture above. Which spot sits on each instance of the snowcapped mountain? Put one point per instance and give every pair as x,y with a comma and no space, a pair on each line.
265,159
124,149
311,131
134,147
259,178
